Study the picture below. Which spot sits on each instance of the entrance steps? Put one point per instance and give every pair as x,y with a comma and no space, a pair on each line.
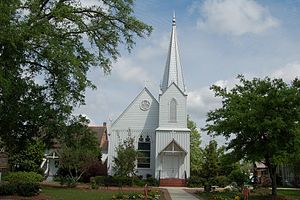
172,182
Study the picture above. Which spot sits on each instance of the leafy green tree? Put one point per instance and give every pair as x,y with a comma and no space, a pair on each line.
46,49
227,164
196,151
79,149
263,115
28,158
211,162
125,161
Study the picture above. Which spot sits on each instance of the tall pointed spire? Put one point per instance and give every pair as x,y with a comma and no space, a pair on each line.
173,70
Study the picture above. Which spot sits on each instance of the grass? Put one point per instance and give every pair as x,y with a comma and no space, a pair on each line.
261,195
78,194
85,194
290,193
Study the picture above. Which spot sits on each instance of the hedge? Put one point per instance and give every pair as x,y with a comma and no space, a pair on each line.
21,183
121,181
23,177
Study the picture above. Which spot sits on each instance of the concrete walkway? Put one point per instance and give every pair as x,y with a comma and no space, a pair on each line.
178,193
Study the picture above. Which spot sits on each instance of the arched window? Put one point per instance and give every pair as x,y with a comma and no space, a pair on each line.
173,110
144,149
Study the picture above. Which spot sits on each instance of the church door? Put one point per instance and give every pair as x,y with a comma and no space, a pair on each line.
170,166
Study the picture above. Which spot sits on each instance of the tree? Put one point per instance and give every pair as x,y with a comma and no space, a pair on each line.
196,151
211,164
124,163
29,158
79,149
46,49
263,115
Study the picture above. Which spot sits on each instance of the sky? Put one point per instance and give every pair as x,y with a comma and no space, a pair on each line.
218,40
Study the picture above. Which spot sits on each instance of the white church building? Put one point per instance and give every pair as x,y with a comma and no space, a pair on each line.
158,126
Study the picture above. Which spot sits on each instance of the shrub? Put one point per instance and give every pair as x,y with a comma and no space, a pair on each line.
238,176
21,188
67,180
109,181
152,181
23,177
195,181
138,182
99,180
95,168
28,189
221,181
93,183
21,183
121,181
7,189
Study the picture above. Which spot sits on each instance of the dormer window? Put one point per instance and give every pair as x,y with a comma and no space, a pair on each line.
173,110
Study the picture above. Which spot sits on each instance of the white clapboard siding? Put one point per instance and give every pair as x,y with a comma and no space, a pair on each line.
163,138
164,108
134,122
135,118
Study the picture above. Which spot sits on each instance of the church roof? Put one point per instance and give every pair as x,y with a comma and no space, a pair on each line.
128,107
173,70
173,147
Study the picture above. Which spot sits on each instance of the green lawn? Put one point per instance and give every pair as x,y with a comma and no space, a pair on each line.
86,194
76,194
295,194
290,193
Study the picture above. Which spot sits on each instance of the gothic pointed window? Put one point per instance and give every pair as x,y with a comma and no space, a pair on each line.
144,149
173,110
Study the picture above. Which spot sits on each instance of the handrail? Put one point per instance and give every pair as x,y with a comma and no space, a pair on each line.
185,177
159,177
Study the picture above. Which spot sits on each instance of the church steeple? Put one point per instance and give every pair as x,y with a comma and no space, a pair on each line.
173,70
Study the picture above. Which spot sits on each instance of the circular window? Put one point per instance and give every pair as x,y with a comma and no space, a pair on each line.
145,105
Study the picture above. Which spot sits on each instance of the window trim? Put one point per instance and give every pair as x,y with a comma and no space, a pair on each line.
142,150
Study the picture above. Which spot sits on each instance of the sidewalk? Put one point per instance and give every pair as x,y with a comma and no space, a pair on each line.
178,193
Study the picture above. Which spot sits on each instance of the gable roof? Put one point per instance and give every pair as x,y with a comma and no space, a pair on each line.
176,87
129,106
100,131
173,144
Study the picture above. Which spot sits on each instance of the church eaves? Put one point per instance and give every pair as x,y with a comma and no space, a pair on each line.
173,70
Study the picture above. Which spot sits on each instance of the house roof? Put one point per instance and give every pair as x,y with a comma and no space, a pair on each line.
100,131
260,165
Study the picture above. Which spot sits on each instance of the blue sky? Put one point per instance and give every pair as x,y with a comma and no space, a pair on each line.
218,40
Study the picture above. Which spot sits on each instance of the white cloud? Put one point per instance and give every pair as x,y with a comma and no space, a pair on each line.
288,72
236,17
128,71
201,101
140,66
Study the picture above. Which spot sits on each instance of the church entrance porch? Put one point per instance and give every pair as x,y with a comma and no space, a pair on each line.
172,159
170,173
170,166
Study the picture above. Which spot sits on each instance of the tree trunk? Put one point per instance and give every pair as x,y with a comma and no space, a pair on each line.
272,171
